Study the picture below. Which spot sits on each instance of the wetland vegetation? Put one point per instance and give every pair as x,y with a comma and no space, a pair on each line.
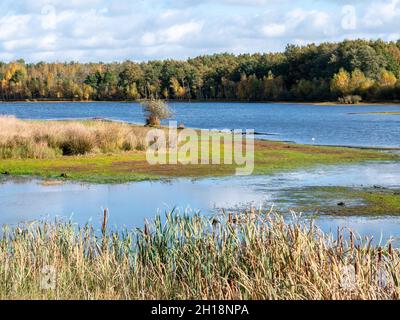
218,255
103,151
252,255
345,201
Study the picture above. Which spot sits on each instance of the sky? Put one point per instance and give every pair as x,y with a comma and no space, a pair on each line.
139,30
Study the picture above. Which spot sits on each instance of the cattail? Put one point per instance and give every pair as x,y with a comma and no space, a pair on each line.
338,234
230,220
390,250
215,222
379,254
356,268
104,229
104,224
351,241
234,220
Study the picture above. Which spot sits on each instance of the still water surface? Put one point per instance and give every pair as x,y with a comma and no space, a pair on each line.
129,204
330,125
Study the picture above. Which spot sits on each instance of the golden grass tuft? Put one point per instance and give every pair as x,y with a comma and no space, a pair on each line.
48,139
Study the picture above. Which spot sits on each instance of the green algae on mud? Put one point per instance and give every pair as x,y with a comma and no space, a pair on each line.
270,157
343,201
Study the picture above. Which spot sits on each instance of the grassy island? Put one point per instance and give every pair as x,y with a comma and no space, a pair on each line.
103,151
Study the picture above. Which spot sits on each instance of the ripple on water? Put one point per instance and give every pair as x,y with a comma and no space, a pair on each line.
130,204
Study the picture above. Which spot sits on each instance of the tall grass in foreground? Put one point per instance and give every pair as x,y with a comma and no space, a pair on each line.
246,256
48,139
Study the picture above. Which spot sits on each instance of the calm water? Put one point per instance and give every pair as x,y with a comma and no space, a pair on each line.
331,125
129,204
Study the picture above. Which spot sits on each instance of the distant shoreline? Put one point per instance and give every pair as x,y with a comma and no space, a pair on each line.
320,103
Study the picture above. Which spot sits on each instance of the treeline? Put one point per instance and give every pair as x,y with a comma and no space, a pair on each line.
368,70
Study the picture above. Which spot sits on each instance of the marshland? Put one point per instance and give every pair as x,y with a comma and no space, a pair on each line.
255,255
207,150
316,220
104,151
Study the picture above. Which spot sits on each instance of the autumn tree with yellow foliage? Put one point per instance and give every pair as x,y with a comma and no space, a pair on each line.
325,72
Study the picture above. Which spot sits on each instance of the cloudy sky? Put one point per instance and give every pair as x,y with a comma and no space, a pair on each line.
115,30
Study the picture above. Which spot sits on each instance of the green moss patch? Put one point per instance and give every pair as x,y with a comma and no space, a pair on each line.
347,201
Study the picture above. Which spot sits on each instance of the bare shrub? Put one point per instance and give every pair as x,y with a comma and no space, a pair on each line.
155,111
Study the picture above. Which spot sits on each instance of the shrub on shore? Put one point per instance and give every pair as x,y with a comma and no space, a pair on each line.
350,99
254,255
43,140
155,111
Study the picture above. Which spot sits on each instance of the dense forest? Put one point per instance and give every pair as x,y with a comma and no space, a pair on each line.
348,71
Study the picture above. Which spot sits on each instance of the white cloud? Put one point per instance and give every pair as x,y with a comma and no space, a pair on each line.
12,26
380,13
274,29
177,32
148,39
47,43
94,30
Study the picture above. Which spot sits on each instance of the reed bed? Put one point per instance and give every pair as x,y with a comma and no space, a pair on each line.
254,255
49,139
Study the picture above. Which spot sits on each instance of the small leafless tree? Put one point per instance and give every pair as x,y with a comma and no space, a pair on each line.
155,111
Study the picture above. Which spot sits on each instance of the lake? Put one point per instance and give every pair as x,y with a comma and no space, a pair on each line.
301,123
129,204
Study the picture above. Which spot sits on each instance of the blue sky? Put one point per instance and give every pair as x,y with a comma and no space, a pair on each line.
100,30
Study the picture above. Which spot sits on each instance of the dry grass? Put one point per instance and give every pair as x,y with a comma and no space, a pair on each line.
48,139
53,149
248,256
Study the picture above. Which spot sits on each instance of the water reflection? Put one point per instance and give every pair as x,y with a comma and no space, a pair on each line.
130,204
